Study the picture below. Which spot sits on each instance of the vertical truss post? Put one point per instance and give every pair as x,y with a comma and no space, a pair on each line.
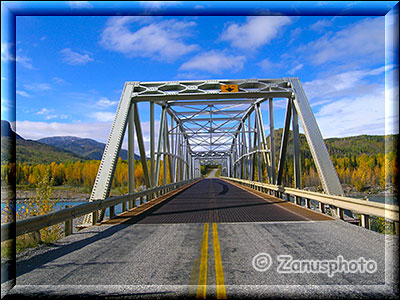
160,142
152,156
141,147
168,151
244,151
272,140
173,148
296,152
249,158
296,148
165,137
263,142
284,142
131,151
257,138
256,156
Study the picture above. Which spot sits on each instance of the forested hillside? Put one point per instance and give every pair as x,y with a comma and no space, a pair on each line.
363,163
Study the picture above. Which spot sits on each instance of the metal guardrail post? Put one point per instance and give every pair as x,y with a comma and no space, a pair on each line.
68,225
321,207
94,217
308,202
112,212
365,222
340,212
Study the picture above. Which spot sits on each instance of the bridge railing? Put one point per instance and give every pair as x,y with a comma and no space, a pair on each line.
362,207
67,215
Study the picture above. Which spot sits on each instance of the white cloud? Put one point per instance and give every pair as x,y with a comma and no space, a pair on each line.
354,115
363,41
350,82
22,93
105,102
37,87
44,111
155,5
6,55
98,131
256,32
295,69
320,25
49,117
214,62
74,58
6,52
38,130
25,62
80,4
103,116
158,40
59,80
268,65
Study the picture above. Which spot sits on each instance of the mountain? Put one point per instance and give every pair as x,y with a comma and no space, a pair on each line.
86,147
341,147
31,152
6,130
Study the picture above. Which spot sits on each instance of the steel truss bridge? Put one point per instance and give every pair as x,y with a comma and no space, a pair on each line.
213,119
223,231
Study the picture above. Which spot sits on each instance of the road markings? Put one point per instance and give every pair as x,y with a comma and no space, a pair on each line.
221,292
193,277
202,283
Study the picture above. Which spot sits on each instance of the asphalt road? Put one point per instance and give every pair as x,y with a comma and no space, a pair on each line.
149,259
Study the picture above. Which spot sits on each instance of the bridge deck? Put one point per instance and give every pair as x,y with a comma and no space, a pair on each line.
216,200
212,244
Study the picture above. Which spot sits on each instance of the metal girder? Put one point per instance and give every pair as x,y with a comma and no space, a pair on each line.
208,122
284,142
327,173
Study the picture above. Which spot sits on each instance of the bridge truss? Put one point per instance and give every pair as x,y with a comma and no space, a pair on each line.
208,121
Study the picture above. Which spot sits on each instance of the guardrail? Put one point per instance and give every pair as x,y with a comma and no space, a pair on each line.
67,215
362,207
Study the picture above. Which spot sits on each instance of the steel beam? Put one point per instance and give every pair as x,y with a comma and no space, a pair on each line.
327,173
296,149
152,146
131,151
272,140
141,147
284,142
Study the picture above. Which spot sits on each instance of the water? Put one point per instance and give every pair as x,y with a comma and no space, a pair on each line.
61,205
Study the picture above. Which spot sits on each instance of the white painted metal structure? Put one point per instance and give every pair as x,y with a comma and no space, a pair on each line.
200,122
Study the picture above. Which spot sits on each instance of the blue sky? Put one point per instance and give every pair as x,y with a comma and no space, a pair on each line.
70,70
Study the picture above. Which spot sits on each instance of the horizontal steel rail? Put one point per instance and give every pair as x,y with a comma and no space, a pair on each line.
370,208
38,222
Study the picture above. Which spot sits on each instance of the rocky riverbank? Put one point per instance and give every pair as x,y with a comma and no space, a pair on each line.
59,195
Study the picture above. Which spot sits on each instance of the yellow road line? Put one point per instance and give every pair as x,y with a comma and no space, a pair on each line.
193,277
202,284
221,291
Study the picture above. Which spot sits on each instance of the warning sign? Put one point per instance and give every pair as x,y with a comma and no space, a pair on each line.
229,88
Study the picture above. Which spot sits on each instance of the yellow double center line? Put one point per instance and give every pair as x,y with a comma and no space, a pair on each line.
202,283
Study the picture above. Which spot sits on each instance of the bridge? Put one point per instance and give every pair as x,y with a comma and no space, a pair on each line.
242,234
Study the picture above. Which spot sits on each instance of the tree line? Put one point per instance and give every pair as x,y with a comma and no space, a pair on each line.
359,171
